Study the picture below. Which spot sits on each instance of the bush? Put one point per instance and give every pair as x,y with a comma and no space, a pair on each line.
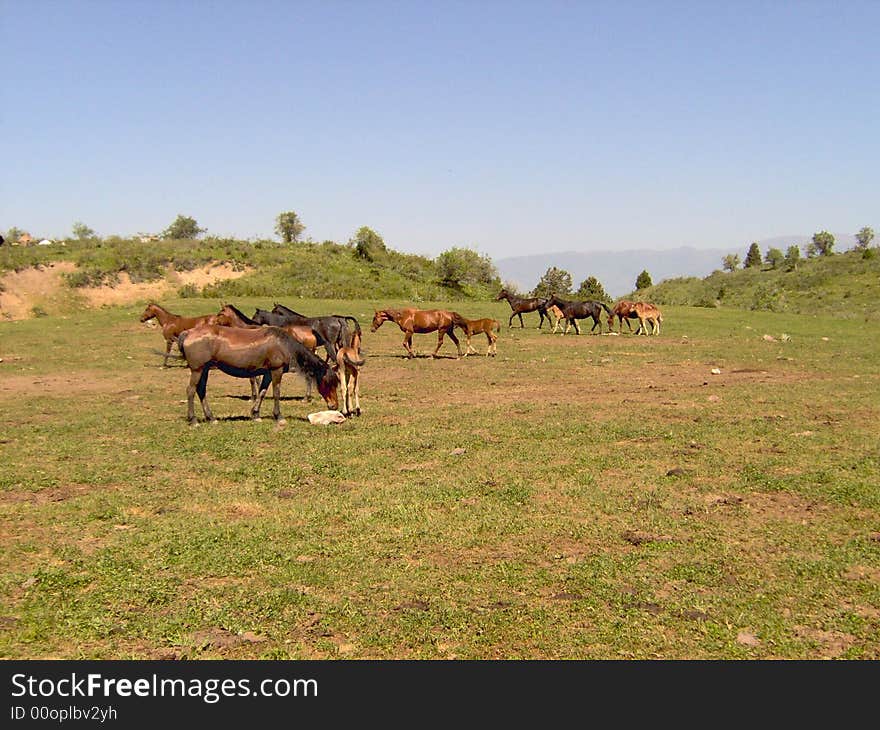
188,291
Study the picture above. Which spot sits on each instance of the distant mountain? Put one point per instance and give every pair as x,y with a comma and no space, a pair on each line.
617,270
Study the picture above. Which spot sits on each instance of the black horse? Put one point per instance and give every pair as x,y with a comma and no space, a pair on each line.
521,305
332,331
573,311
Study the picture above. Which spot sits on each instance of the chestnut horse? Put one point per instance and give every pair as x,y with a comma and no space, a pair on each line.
348,364
412,321
521,305
624,310
248,353
472,327
172,324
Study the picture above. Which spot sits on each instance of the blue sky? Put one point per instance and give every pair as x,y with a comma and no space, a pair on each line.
509,127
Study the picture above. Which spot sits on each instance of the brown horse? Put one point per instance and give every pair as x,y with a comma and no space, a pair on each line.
419,321
624,310
472,327
248,353
648,314
173,324
231,316
521,305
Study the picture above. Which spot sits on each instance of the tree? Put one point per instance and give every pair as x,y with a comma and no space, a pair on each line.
82,231
774,257
864,238
811,250
824,242
730,262
289,226
555,281
184,228
13,234
753,257
459,266
367,244
792,257
643,280
591,288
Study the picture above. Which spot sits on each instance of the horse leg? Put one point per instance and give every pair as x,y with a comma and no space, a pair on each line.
276,393
454,339
202,390
522,326
355,379
168,344
343,386
194,378
407,344
258,400
253,390
510,321
575,323
439,343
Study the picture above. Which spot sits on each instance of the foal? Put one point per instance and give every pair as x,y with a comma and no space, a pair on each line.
472,327
348,363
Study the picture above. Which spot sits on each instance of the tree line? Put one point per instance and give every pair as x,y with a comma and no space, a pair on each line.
821,244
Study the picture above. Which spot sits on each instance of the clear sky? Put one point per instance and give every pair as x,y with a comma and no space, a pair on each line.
510,127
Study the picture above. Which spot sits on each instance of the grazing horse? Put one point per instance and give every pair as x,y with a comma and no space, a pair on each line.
574,311
624,310
648,313
472,327
172,324
333,331
249,353
412,321
521,305
348,364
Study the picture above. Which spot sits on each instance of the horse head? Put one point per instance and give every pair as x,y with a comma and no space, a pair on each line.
149,312
327,386
503,294
379,317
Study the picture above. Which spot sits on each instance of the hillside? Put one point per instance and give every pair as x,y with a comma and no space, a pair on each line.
843,285
55,278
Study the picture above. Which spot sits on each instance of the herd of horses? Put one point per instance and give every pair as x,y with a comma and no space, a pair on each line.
272,342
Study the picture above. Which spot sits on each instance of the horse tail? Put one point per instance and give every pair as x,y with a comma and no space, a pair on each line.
606,308
356,363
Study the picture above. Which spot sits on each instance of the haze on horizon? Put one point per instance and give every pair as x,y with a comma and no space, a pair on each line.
510,127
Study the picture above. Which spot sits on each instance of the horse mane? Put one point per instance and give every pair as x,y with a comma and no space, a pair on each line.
288,310
241,315
306,362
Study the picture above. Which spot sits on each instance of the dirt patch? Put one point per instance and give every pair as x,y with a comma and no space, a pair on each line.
25,293
36,288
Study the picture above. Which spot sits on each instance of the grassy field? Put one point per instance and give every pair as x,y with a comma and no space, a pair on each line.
575,497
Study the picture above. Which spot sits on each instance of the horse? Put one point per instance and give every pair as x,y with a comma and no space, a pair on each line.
557,315
521,305
624,310
648,313
172,324
472,327
333,331
231,316
249,353
574,311
412,321
348,364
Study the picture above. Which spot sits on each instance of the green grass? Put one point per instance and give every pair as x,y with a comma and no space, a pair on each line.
126,533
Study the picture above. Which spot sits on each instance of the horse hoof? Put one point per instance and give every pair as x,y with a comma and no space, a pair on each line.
357,412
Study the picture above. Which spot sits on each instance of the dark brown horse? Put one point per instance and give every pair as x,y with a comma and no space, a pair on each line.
472,327
521,305
573,311
249,353
173,324
624,310
333,331
419,321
